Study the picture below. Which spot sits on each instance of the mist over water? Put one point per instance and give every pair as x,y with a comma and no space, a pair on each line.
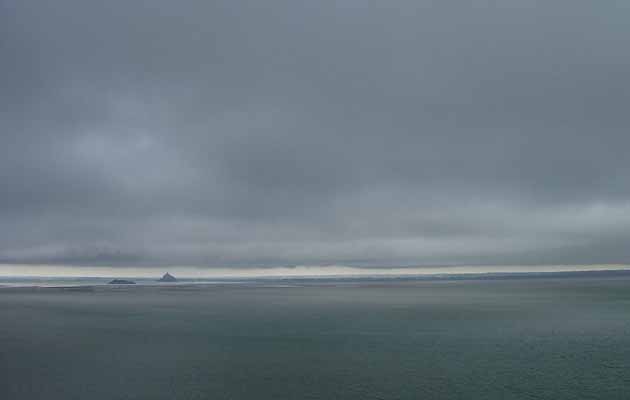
16,270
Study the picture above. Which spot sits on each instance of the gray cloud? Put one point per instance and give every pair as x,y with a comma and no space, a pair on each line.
237,133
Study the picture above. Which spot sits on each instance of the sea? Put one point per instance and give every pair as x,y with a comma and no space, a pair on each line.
498,336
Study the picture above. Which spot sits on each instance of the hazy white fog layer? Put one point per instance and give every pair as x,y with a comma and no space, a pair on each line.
297,271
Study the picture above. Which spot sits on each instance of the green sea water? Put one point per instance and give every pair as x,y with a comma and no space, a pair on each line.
473,339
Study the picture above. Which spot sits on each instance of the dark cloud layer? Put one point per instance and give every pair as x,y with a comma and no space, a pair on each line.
240,133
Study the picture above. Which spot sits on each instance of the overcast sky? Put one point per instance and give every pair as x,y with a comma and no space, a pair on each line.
260,133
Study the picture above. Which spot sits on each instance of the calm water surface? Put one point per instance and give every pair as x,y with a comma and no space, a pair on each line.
502,339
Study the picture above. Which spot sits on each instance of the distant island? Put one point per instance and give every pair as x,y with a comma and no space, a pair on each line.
121,282
167,278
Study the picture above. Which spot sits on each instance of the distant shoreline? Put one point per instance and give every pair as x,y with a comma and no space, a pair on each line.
48,283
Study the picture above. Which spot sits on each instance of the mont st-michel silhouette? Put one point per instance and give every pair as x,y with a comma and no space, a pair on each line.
167,278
